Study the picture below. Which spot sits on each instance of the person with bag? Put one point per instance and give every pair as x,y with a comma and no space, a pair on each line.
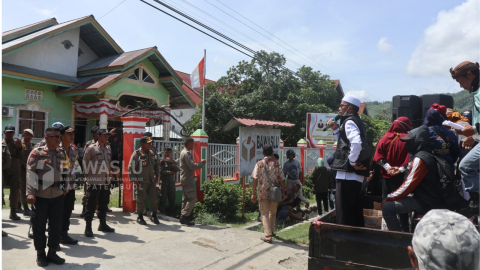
269,178
422,181
322,183
351,161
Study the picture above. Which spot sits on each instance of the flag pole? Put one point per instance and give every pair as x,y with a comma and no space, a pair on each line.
203,89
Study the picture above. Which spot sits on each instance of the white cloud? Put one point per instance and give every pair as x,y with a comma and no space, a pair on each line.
49,13
453,38
383,45
361,94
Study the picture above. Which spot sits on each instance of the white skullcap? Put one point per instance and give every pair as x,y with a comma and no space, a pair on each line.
352,100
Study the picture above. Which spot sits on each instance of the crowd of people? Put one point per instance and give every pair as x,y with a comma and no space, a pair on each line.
45,175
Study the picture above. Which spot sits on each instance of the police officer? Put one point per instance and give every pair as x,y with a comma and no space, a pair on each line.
43,142
44,176
71,154
94,139
27,146
12,175
187,180
143,168
168,170
97,165
5,166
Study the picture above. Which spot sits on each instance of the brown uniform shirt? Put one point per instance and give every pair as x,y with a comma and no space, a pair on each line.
44,168
96,164
16,155
143,166
187,169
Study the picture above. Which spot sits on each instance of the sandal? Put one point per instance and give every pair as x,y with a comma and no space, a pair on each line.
266,240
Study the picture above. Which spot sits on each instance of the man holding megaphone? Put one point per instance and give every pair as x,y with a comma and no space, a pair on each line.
351,161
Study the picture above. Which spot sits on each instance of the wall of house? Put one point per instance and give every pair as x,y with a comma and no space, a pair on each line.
13,94
87,55
50,55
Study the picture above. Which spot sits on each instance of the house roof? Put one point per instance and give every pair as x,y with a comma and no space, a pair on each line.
27,29
115,61
235,122
186,78
90,32
10,70
96,83
194,95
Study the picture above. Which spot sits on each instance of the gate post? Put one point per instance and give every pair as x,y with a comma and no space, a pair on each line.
281,152
302,144
322,146
133,129
200,152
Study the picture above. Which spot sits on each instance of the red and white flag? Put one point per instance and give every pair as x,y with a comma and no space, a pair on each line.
197,78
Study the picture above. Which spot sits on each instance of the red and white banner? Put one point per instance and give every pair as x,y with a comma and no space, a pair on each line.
113,110
197,78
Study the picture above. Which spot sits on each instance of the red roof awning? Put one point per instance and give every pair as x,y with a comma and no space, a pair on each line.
235,122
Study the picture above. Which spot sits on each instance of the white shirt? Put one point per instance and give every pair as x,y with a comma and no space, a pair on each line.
353,135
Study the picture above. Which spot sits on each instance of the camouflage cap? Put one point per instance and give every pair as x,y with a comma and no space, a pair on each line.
446,240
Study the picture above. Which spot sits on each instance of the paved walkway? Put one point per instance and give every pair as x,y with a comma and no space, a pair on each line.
164,246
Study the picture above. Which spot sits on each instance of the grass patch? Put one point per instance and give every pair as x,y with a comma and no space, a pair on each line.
296,235
235,222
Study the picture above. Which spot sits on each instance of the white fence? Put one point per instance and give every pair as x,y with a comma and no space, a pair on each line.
312,156
222,160
160,146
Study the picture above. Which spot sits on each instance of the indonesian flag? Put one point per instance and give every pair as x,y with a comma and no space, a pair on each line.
197,78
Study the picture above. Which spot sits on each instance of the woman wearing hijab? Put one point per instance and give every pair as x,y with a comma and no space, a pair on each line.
443,141
322,183
391,153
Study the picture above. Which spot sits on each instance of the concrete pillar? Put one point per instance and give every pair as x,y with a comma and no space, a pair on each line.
302,144
133,129
322,146
200,152
103,123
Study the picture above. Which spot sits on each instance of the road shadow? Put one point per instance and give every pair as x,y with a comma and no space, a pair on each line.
83,251
73,266
13,241
118,237
8,225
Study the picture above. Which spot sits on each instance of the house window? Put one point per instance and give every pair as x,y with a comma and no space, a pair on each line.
34,120
141,74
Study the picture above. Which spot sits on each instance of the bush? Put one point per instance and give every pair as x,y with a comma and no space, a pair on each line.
221,198
308,187
250,207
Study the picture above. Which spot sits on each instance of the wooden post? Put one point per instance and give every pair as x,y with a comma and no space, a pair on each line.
243,197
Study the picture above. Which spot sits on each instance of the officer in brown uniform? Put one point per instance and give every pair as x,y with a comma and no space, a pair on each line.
93,131
27,146
5,166
168,171
143,169
187,180
44,191
12,175
97,167
71,154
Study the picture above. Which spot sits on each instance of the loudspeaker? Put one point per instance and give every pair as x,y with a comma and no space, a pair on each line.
441,99
408,106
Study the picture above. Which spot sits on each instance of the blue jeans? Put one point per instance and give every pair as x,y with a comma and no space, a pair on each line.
469,168
393,208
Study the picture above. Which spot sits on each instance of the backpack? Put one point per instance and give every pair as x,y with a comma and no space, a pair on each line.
449,187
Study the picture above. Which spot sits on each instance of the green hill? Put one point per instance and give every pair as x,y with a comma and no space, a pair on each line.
462,100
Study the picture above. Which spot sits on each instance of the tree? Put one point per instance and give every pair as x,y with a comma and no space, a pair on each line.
263,89
375,129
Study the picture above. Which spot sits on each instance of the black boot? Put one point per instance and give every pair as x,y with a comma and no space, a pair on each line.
13,215
154,218
26,211
42,258
66,239
83,212
30,232
186,221
140,220
103,227
54,258
88,229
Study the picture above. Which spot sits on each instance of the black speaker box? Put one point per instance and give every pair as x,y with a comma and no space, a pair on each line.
441,99
408,106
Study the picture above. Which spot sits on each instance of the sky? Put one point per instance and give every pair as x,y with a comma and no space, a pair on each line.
377,48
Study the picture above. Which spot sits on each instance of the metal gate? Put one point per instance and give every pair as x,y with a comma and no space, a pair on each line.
222,160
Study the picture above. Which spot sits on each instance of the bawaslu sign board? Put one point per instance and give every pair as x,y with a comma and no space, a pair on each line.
316,122
251,144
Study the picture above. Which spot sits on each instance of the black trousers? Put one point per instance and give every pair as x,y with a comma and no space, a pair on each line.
68,205
322,197
349,203
167,191
51,209
94,193
390,185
